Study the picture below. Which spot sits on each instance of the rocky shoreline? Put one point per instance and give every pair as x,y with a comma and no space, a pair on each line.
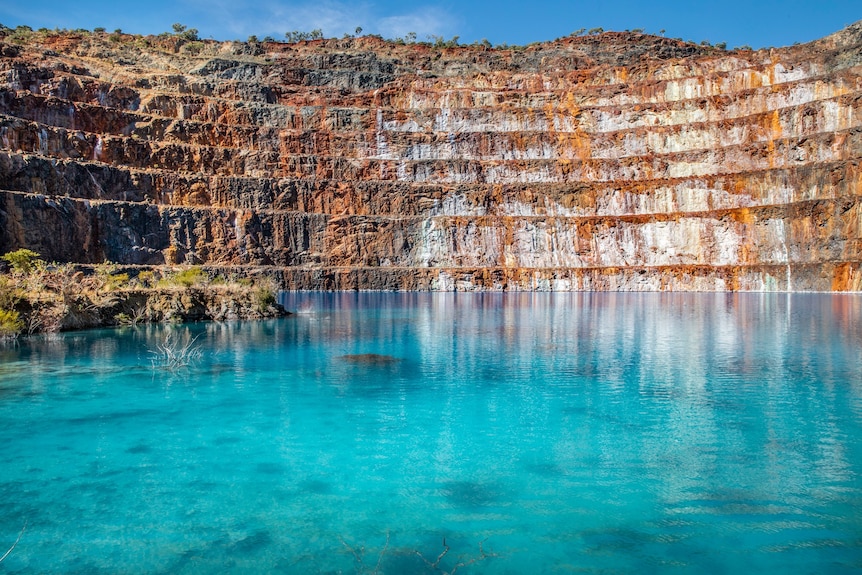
36,297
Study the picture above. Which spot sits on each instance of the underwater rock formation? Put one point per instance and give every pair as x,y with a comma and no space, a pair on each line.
370,359
617,161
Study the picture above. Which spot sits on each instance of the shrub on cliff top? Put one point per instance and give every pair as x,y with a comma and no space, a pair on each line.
181,31
441,42
299,36
21,34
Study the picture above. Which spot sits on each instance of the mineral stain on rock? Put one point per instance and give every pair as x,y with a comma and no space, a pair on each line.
616,161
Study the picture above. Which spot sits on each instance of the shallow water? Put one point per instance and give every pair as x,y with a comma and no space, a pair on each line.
534,433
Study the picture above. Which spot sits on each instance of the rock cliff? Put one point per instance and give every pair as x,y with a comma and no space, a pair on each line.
616,161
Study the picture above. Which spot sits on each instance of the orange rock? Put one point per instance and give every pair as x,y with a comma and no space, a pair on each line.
613,162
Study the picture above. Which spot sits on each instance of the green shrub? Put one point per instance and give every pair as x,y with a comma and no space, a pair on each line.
21,34
11,323
146,279
263,297
116,281
107,273
10,293
184,32
190,277
299,36
23,260
193,48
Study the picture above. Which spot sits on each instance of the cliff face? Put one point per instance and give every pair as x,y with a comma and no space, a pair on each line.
609,162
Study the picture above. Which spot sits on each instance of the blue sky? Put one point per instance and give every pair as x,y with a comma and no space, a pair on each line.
757,23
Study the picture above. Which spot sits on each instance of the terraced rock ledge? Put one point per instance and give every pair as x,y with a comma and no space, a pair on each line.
616,161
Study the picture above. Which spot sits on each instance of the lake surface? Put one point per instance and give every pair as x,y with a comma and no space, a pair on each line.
525,433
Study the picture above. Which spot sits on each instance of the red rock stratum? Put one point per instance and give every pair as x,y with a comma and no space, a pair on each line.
609,162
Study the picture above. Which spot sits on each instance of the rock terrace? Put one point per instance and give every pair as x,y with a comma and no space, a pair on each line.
610,162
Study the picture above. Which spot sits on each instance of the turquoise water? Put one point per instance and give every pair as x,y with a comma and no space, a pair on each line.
535,433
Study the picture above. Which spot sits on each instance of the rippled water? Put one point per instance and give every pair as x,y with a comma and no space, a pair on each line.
534,433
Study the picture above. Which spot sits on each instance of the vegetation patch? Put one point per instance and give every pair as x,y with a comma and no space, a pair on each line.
36,296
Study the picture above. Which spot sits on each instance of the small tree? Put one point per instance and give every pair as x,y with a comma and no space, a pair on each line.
184,32
358,30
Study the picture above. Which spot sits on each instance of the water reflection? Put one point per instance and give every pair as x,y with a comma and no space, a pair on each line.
718,375
671,344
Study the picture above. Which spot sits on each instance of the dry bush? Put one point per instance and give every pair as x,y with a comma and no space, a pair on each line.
176,352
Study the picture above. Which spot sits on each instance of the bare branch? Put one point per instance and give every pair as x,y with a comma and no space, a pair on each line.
482,556
5,555
357,556
439,557
382,553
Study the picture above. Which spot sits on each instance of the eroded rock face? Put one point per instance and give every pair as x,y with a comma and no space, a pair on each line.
609,162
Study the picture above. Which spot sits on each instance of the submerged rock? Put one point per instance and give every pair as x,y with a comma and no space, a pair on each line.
370,359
